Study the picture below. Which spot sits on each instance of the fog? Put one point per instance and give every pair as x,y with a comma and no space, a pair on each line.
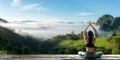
48,30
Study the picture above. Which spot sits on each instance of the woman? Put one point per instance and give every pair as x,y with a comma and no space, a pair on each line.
89,39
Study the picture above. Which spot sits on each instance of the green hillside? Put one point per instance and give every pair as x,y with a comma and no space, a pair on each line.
13,43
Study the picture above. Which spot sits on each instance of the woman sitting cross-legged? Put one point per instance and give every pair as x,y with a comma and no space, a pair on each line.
89,39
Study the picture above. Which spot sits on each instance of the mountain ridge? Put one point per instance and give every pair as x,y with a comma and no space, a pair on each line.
3,20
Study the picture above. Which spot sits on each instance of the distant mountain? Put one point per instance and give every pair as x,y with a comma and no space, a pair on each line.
68,22
3,21
29,21
109,23
71,22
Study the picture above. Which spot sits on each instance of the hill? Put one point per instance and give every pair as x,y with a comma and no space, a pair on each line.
3,21
109,23
13,43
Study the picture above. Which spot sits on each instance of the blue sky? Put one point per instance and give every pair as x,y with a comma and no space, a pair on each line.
57,10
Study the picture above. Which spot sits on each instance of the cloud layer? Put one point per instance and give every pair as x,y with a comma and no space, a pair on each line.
39,29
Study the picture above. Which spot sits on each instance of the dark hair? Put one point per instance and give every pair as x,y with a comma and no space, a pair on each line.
90,36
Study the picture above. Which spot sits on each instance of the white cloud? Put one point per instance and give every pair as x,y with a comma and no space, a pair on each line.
24,7
16,2
35,6
85,14
41,9
30,7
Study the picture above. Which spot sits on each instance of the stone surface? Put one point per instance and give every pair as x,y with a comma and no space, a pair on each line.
53,57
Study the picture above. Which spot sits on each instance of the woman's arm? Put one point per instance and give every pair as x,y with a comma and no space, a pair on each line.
84,32
95,31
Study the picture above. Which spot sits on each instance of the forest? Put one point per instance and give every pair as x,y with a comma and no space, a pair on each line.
13,43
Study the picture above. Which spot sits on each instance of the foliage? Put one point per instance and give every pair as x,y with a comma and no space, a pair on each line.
14,43
3,52
69,47
108,45
109,23
115,40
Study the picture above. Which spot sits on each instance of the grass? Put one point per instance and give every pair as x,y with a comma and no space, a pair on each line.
79,45
100,42
72,43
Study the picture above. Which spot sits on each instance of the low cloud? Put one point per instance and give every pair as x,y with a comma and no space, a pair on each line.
86,14
51,20
37,29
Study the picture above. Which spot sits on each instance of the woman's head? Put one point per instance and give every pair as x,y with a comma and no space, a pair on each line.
90,35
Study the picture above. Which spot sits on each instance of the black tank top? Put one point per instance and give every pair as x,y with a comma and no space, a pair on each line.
90,43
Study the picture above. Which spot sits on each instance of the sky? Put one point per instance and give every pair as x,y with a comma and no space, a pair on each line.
57,10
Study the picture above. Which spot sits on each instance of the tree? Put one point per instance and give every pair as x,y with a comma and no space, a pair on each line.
80,35
71,36
25,50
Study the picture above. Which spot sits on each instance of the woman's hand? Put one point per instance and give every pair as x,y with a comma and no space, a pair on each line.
90,22
87,26
93,29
